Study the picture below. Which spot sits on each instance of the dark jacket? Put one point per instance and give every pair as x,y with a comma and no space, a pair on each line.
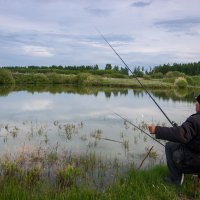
188,133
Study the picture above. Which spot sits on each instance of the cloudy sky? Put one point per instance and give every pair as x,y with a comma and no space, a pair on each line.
63,32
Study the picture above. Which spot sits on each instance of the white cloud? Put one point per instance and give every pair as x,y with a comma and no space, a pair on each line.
37,51
65,30
37,105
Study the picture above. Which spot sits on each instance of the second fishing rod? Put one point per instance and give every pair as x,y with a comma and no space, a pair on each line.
128,68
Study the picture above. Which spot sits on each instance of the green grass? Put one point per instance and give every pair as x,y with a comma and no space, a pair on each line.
89,79
145,185
133,83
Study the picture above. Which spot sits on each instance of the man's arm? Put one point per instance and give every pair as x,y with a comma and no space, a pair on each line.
181,134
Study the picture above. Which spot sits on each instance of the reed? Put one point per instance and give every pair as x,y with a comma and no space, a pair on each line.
144,185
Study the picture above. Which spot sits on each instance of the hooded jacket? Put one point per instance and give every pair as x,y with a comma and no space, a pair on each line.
188,133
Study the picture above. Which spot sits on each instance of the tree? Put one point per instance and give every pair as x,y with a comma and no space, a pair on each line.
124,70
96,67
108,67
137,72
116,68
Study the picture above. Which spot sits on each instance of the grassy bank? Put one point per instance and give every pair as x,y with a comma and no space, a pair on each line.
47,175
134,185
170,80
84,79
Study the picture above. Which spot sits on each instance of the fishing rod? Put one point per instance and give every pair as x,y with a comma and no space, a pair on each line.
139,129
103,138
127,67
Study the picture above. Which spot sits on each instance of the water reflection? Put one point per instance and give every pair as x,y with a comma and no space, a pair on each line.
185,94
58,89
83,120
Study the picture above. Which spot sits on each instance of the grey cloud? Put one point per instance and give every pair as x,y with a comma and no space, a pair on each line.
24,39
111,38
178,24
140,4
99,12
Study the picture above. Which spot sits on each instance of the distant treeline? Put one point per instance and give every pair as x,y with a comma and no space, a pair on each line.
188,69
76,75
109,69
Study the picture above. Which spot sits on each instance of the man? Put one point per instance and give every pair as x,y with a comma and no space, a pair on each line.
183,150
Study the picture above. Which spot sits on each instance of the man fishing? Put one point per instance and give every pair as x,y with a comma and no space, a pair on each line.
183,149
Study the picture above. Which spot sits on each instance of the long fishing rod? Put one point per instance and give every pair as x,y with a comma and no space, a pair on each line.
127,67
139,128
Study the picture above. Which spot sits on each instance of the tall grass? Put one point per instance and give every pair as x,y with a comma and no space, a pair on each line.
144,185
6,77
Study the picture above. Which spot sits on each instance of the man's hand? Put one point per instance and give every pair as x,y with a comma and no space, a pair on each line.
152,128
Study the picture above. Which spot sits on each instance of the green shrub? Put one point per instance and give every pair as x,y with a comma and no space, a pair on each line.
6,77
171,74
157,75
118,75
70,79
190,80
181,82
196,79
40,79
24,78
82,77
55,78
146,77
169,80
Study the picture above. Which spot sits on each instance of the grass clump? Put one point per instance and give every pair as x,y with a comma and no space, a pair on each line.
67,177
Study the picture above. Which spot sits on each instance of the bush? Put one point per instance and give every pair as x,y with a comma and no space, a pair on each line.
171,74
6,77
157,75
118,75
40,79
181,82
70,79
147,77
196,80
82,78
190,80
55,78
169,80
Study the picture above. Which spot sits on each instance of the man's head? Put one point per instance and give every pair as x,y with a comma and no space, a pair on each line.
198,104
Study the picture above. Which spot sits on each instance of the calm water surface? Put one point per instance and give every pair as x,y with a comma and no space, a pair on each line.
81,121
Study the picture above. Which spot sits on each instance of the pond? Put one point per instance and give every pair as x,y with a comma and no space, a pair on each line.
82,120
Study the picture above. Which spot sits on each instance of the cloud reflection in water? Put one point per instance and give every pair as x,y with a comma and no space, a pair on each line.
37,105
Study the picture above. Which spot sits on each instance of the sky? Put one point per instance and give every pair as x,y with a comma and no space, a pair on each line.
64,32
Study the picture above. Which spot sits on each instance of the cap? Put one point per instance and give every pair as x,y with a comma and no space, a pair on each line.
198,99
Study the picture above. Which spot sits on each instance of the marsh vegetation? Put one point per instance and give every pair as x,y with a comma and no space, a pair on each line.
66,142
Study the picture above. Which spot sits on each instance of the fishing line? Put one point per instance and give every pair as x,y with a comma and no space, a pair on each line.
139,129
127,67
